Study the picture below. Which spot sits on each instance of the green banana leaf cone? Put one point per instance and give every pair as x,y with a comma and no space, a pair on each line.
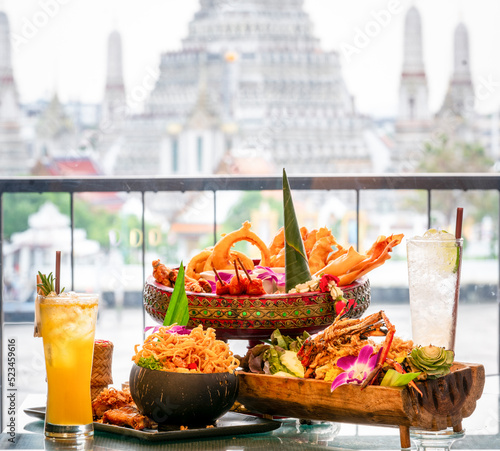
296,264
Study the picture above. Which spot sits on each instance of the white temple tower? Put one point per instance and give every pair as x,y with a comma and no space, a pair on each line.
114,93
414,120
114,107
459,99
14,156
413,94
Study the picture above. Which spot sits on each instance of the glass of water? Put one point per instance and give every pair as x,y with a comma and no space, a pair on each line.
434,264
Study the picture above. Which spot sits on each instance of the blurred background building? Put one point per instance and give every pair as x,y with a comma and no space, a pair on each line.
250,80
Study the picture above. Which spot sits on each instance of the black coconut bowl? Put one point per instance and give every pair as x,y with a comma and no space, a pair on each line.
187,399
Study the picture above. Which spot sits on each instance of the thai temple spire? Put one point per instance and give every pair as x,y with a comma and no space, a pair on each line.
5,50
413,95
13,151
413,60
114,94
459,99
413,122
461,68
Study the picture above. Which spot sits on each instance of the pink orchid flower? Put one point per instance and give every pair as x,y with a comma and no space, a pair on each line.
180,330
356,369
268,274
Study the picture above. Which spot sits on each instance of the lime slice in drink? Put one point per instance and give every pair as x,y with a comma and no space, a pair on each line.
448,253
431,234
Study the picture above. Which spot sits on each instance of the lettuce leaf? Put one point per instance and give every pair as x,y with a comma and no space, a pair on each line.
279,355
292,363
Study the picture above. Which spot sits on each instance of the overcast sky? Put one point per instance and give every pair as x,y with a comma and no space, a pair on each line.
60,45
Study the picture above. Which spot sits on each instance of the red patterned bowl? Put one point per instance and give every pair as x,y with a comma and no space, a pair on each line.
256,317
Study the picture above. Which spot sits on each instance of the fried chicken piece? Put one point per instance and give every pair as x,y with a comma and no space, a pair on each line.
237,285
127,416
161,273
110,398
167,276
221,288
254,287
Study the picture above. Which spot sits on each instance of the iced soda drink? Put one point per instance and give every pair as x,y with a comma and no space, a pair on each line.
68,323
434,263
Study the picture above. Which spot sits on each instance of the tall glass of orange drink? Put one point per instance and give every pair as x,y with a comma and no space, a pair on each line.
67,323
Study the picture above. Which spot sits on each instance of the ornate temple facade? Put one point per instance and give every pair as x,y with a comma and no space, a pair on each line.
250,80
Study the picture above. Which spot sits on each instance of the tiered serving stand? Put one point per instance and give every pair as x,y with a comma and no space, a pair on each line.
256,317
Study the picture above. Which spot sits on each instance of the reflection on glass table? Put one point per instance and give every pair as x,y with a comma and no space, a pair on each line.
482,431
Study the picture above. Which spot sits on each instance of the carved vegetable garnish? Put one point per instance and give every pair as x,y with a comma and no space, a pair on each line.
433,361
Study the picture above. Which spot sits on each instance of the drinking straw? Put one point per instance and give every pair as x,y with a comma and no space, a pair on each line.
458,226
37,332
58,271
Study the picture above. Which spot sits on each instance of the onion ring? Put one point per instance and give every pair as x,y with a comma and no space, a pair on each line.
233,255
221,255
192,269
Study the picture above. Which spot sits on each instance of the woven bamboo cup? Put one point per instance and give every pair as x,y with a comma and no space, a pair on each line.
101,367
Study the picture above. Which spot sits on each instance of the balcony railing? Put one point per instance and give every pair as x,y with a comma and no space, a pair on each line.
430,183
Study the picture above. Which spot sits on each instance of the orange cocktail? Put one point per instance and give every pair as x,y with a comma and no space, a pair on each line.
67,325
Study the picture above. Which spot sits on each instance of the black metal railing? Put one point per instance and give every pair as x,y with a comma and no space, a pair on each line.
216,184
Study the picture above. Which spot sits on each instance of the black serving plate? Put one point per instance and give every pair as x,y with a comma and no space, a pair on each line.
231,423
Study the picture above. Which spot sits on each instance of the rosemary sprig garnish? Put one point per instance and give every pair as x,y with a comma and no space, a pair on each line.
47,285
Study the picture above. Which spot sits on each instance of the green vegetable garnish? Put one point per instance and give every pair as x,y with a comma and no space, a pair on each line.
47,285
292,363
150,363
394,379
433,361
281,355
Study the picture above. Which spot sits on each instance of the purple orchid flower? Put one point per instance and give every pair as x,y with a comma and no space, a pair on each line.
268,273
356,369
180,330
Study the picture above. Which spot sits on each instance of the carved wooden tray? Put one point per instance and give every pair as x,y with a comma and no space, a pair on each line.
445,402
